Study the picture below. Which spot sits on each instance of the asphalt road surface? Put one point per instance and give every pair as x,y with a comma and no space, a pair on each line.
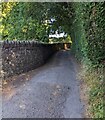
51,91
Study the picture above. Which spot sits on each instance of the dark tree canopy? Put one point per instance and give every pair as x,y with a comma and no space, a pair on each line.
84,22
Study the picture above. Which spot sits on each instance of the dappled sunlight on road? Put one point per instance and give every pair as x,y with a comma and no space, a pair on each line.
8,93
11,84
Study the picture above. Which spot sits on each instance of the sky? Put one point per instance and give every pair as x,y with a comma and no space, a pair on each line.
58,35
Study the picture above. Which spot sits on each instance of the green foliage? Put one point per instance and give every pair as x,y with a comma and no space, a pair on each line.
89,46
95,81
23,21
88,31
27,21
62,13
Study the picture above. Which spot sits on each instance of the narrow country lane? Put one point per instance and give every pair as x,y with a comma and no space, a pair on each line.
52,91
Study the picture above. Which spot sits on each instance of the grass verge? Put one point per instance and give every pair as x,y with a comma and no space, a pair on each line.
93,90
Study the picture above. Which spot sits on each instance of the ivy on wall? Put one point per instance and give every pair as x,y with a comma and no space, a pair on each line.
89,46
88,31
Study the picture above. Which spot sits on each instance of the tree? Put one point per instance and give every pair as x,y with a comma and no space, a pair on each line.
27,21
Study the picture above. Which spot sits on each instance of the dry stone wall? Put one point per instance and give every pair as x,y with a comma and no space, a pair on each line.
19,57
0,64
